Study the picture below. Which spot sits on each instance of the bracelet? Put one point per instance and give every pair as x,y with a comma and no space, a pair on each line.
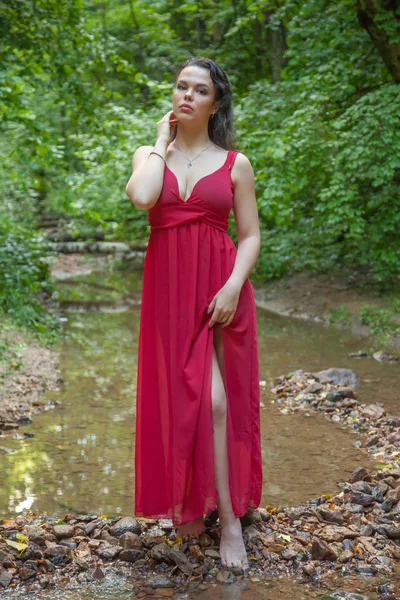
159,156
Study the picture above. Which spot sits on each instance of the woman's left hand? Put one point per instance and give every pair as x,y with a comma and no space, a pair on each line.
224,305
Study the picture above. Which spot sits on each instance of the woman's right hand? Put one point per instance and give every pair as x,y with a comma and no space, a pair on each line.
166,125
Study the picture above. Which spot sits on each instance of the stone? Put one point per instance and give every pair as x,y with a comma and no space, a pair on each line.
330,533
334,516
108,551
211,553
181,561
64,531
320,550
160,581
130,540
160,553
125,524
130,555
359,474
5,577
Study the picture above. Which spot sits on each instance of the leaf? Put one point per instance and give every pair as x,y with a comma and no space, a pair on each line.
17,545
287,538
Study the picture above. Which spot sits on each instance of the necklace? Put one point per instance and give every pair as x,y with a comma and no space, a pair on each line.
190,163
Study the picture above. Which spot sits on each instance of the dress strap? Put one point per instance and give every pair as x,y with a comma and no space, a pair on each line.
231,158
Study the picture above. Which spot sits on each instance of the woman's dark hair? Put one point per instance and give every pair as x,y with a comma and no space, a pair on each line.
220,127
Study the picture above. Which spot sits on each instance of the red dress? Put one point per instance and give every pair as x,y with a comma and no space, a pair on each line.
189,258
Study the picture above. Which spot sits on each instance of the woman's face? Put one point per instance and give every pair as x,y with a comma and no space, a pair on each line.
194,88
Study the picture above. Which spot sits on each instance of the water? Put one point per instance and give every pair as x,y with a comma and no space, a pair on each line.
82,454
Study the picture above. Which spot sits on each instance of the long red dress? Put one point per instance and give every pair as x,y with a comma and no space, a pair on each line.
189,258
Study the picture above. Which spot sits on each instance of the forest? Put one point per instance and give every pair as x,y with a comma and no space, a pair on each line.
317,111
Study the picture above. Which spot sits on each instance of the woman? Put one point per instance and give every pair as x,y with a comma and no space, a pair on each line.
197,405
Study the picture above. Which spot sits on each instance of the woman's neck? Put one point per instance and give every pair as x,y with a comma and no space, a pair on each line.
192,140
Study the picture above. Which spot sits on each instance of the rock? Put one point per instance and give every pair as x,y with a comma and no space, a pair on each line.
361,486
180,559
25,573
160,553
320,550
330,533
313,388
388,504
367,530
130,540
265,515
108,551
334,516
372,411
373,440
310,568
130,555
393,531
251,534
361,498
342,596
365,569
341,376
5,577
250,518
382,356
125,524
359,474
150,541
57,554
160,581
63,531
205,541
225,576
338,395
211,553
289,552
358,354
196,552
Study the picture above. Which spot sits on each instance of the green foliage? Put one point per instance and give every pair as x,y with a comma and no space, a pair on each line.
384,323
25,280
83,84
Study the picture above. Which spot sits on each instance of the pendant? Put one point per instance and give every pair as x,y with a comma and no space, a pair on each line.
190,164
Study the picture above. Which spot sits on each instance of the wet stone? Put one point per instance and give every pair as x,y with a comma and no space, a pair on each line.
160,581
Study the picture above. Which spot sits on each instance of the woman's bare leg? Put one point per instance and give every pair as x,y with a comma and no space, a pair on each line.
232,548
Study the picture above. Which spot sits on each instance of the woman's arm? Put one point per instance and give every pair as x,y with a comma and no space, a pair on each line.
246,218
144,186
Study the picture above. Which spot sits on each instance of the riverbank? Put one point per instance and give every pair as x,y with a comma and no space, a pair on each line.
27,370
344,534
335,300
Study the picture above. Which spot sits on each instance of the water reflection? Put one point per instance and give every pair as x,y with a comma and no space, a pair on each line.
82,455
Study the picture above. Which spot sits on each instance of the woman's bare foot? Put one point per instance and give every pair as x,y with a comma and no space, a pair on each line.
232,548
192,528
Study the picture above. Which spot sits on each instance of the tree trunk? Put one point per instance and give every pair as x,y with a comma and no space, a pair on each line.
379,17
276,46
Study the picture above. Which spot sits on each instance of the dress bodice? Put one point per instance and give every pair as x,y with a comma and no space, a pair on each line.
211,199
